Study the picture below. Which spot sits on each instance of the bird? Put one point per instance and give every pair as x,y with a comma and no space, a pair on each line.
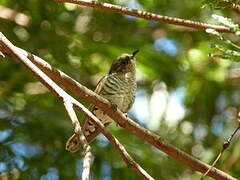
119,88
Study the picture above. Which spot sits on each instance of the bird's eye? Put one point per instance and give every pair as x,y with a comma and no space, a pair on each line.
124,62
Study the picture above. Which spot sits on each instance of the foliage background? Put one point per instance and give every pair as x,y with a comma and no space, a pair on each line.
183,95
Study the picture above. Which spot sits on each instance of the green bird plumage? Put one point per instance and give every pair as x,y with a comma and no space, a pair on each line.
118,87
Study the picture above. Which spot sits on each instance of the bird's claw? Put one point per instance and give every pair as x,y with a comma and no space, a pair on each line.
114,106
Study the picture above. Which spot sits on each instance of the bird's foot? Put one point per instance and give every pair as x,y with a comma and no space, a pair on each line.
114,106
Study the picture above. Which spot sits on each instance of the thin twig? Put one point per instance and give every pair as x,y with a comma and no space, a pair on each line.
147,15
134,128
212,165
224,147
86,163
60,93
78,130
76,125
122,151
5,44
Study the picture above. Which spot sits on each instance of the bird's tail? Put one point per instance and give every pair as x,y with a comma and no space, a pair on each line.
90,132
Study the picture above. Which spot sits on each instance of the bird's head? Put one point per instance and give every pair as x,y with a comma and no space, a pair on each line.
125,63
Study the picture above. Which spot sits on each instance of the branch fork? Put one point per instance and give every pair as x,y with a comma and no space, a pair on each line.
69,102
42,70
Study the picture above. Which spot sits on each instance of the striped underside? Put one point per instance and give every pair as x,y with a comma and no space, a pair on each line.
119,92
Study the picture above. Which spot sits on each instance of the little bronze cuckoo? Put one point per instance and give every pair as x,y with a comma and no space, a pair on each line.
118,87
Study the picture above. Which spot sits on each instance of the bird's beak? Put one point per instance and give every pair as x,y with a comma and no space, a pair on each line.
134,53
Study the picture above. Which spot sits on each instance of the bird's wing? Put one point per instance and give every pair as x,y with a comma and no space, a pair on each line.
73,144
98,90
90,135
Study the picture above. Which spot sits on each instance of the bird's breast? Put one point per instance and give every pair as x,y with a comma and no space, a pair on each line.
119,91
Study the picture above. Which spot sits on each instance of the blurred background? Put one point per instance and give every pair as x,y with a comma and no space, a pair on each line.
183,95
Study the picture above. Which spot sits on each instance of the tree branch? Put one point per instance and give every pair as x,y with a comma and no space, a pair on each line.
134,128
54,88
78,130
126,123
147,15
224,147
24,58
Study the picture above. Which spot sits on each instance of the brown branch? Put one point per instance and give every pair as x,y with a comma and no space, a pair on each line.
213,164
119,147
224,147
128,124
147,15
17,53
77,129
122,151
123,121
53,87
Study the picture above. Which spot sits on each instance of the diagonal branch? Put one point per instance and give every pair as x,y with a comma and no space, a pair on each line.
78,130
120,118
121,150
59,92
8,48
224,147
134,128
147,15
